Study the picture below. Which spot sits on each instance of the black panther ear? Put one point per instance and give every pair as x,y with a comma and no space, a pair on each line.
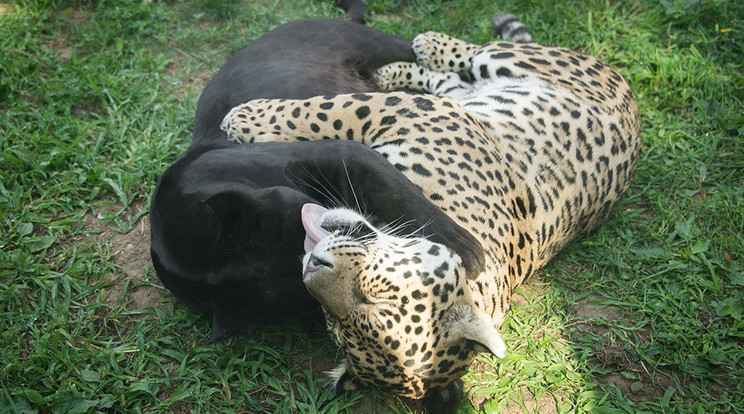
342,379
444,400
233,209
439,400
226,324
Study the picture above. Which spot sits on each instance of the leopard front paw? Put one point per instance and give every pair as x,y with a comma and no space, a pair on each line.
236,121
247,124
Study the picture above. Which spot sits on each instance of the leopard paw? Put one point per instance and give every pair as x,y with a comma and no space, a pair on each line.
246,123
425,48
395,76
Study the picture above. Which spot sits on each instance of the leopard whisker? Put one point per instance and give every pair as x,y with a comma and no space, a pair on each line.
351,187
314,182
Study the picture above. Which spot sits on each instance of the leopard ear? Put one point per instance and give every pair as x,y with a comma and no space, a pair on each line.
468,322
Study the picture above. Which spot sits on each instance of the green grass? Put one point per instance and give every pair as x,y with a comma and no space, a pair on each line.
97,99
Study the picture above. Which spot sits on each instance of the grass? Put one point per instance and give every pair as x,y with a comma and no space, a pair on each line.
97,99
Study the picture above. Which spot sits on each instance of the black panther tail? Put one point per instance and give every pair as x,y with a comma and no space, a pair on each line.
355,9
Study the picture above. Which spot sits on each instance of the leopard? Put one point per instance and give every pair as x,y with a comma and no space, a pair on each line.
525,146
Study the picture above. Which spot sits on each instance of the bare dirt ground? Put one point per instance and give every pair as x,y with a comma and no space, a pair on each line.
131,254
625,369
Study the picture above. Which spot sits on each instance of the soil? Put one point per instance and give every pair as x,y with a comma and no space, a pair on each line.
615,360
135,286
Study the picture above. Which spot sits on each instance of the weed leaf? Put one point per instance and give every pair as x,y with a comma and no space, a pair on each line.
41,243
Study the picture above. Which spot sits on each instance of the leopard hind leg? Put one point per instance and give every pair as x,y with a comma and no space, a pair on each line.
414,77
442,53
442,68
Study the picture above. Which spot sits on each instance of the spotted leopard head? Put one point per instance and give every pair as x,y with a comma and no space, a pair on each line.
399,307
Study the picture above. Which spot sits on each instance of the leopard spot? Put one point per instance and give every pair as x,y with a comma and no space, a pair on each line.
362,112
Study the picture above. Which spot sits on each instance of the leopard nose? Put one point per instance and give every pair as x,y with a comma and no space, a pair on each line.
315,263
331,287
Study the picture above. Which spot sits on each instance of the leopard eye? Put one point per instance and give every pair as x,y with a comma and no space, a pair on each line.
355,230
362,298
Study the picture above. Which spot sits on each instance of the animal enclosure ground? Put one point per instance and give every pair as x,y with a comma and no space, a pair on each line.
97,99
